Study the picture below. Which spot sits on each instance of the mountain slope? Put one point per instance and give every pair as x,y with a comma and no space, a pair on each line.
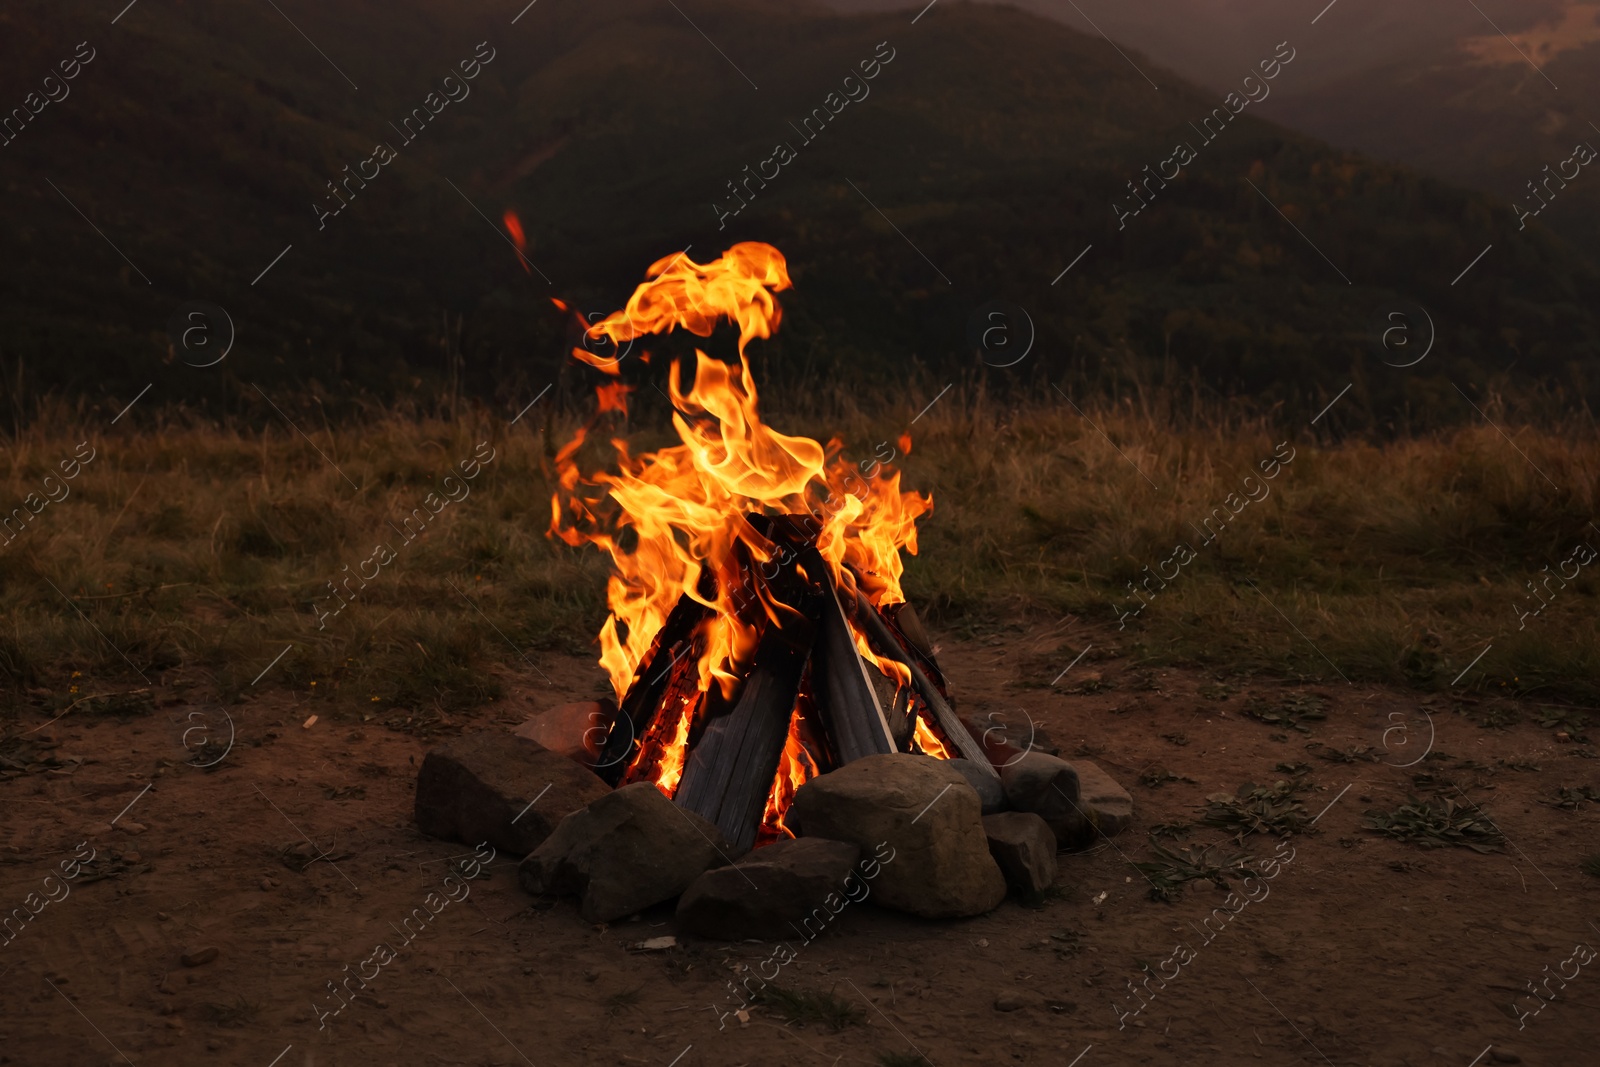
988,155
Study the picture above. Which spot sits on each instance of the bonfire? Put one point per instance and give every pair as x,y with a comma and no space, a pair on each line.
758,633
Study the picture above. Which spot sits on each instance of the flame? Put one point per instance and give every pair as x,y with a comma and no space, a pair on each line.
676,522
520,240
929,742
795,769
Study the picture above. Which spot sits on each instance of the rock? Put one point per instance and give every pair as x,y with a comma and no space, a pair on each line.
629,849
773,891
1107,804
508,791
576,731
986,785
1501,1055
1013,999
131,827
1007,735
1024,846
920,822
1048,787
199,957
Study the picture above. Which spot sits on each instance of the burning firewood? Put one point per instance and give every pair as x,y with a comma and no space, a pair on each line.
751,576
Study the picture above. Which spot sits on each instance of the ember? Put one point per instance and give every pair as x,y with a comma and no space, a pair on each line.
756,606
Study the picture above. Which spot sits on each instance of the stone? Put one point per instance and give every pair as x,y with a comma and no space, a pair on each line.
920,822
508,791
1013,999
1048,787
199,957
575,731
1107,804
1024,846
628,850
772,891
1007,735
990,795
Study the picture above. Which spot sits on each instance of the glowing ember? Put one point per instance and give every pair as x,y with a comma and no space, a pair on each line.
677,522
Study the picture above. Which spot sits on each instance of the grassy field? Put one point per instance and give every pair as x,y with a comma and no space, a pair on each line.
206,552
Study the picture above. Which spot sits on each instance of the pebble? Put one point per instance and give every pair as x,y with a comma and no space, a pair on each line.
131,827
266,884
199,957
1007,1002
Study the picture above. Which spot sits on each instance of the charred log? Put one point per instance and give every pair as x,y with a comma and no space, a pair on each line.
729,772
885,643
674,644
851,714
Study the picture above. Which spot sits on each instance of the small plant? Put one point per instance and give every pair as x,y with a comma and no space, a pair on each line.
1573,799
1496,716
1256,809
1216,691
1590,865
1175,868
1517,765
1156,777
1436,823
625,998
805,1006
234,1015
1050,894
1180,739
1291,712
1553,717
1357,754
1172,829
1297,769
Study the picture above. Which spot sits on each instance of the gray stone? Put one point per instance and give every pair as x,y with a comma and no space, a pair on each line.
1048,787
1025,848
576,731
922,823
1108,805
479,787
773,891
626,851
990,795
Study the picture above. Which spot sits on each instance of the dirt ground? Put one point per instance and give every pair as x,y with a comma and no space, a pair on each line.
1365,951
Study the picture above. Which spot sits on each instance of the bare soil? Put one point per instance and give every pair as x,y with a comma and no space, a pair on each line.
1366,950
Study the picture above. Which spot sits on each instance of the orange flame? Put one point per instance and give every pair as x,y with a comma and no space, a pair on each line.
929,742
795,769
520,239
667,517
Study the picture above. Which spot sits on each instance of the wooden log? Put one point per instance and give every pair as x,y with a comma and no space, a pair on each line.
673,642
851,714
729,772
900,724
884,643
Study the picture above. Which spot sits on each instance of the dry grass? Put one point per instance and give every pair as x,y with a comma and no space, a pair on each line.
204,549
